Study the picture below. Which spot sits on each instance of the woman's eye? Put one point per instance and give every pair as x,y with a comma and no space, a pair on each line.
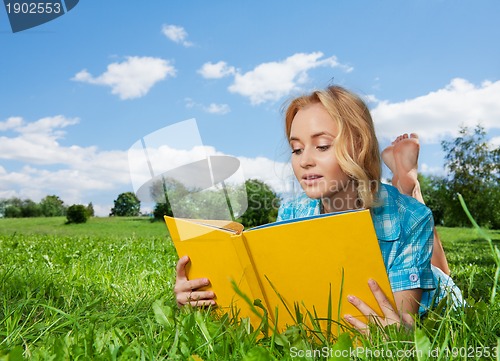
323,147
296,151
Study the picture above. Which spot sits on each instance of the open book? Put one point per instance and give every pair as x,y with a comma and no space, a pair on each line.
304,262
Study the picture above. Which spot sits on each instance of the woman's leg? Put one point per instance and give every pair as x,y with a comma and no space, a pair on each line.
402,159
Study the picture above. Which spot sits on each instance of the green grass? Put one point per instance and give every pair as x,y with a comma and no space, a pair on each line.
102,227
103,291
472,263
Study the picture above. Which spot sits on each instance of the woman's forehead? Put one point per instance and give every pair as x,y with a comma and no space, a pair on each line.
313,120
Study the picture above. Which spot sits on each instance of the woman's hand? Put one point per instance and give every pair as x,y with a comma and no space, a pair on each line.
187,291
391,316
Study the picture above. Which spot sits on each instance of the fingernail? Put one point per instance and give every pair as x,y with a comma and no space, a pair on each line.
371,282
351,298
348,318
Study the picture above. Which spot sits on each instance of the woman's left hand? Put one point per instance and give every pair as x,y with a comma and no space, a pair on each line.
391,316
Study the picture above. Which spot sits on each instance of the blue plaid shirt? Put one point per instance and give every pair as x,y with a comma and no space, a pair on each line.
404,230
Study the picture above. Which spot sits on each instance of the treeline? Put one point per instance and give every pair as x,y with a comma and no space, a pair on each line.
50,206
472,165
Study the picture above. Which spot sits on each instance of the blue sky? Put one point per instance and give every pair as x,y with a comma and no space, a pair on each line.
77,92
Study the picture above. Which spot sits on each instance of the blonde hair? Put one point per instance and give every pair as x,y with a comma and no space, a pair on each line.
357,148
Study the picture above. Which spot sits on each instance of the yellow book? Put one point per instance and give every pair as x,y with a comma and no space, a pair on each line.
313,263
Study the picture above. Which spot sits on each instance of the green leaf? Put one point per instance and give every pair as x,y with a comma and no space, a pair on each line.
163,314
422,345
342,349
257,354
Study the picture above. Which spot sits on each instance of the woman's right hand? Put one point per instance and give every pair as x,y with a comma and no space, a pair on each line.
187,291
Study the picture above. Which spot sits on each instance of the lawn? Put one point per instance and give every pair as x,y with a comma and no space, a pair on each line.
103,291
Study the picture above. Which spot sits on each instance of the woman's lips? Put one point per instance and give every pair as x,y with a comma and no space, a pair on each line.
311,179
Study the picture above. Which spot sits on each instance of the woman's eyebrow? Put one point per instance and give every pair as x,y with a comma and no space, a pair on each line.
315,135
320,134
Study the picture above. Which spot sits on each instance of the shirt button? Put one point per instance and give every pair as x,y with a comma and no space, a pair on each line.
414,277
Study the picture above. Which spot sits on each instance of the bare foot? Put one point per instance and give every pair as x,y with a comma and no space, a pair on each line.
402,159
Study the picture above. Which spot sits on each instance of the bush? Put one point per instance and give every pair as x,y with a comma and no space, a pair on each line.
77,213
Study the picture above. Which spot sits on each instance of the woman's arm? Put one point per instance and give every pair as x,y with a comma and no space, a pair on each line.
187,291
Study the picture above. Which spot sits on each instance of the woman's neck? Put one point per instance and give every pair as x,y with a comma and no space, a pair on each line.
339,202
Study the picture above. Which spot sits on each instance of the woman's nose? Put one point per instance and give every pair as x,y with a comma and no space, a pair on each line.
306,159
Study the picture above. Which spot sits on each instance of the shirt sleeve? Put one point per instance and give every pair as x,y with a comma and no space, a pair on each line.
411,265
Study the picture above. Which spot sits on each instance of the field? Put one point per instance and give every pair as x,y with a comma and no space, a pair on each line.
103,291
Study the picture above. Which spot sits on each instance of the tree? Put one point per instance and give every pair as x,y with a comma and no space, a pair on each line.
159,192
90,210
12,207
77,213
126,205
436,196
30,209
474,172
52,206
263,204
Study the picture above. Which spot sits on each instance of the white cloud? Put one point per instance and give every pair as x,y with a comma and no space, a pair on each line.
212,108
176,33
217,109
216,70
441,113
274,80
71,172
11,123
132,78
37,141
494,142
370,98
276,174
429,170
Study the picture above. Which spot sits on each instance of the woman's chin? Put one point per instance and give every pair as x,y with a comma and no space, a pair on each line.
313,194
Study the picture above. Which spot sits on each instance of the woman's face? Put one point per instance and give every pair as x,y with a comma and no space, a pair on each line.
312,138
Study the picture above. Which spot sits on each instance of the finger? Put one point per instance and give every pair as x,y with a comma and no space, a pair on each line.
201,296
202,303
362,307
198,298
197,283
181,268
357,324
383,301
